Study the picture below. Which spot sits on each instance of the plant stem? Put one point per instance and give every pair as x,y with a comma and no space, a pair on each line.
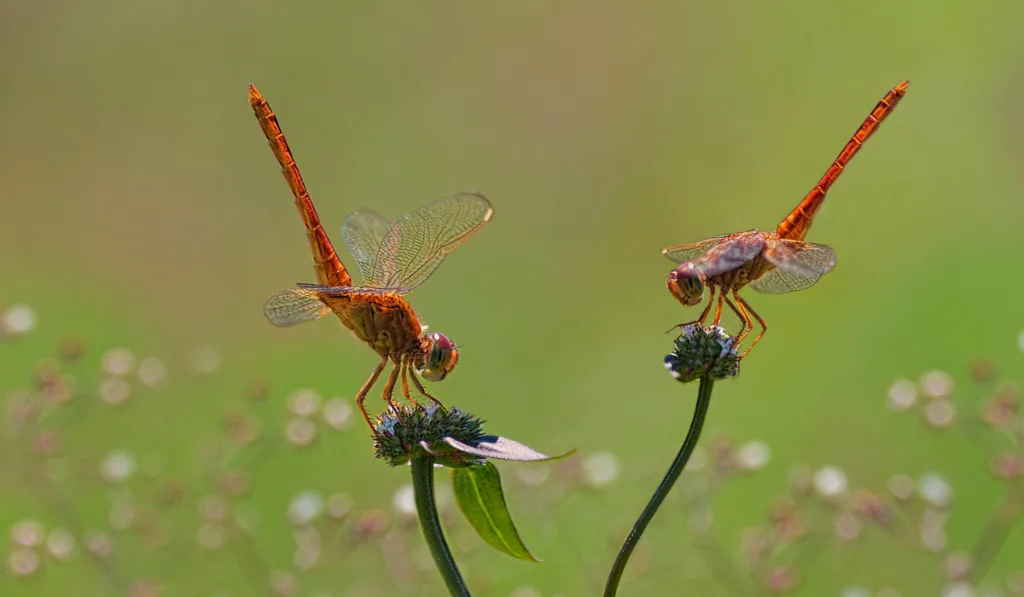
423,488
692,435
999,525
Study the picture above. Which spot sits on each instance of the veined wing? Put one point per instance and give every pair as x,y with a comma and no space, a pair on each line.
364,232
417,244
317,289
690,251
293,306
730,254
798,265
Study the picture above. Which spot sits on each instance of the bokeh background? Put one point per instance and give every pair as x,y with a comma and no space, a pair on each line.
140,207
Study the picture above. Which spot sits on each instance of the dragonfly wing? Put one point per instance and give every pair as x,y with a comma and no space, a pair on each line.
417,244
293,306
364,232
690,251
730,254
798,265
348,290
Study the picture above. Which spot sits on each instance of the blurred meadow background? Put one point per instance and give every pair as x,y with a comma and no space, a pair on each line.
141,212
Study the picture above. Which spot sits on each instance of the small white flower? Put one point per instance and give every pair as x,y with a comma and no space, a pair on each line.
118,361
304,402
934,489
152,372
61,544
118,466
855,592
305,507
958,589
404,501
18,320
830,481
937,384
753,455
600,469
902,395
338,413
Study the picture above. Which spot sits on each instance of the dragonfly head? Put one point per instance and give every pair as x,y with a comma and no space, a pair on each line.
686,283
439,356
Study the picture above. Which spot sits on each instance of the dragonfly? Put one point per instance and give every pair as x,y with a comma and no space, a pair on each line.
394,258
770,262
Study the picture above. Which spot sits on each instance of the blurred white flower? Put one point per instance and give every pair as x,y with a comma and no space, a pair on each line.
23,561
118,466
304,402
902,395
206,360
115,390
830,481
118,361
934,489
18,320
152,373
855,592
339,505
940,413
753,455
958,589
300,431
27,533
305,507
937,384
338,413
404,501
61,544
600,469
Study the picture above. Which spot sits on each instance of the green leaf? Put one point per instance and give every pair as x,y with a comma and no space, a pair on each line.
478,492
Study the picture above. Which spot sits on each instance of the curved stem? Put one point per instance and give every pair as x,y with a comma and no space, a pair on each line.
423,488
999,525
700,411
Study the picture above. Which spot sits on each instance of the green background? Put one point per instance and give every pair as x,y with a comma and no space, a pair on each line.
140,207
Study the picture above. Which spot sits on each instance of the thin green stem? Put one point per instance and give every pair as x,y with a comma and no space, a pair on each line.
685,451
999,525
423,488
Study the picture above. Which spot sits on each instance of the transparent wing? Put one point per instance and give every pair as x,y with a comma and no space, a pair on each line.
730,254
418,243
293,306
798,265
364,232
319,290
688,252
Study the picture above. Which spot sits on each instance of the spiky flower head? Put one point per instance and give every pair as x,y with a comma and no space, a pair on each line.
703,352
405,432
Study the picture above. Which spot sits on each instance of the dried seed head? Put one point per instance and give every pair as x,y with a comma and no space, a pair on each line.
405,432
703,352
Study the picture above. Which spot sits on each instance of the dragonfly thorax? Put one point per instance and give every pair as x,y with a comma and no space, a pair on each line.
687,284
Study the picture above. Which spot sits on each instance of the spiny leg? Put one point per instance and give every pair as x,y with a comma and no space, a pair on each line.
703,315
405,384
389,387
745,324
366,389
764,326
419,386
718,309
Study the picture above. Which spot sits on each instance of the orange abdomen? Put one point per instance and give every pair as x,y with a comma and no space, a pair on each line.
327,266
798,222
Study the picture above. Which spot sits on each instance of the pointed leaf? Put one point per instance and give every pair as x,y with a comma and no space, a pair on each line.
502,448
478,493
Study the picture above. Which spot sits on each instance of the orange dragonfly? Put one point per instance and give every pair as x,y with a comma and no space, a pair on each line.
394,258
772,262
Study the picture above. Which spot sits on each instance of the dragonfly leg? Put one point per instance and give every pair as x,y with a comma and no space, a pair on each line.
764,326
361,396
422,390
389,386
405,384
703,315
718,309
745,323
